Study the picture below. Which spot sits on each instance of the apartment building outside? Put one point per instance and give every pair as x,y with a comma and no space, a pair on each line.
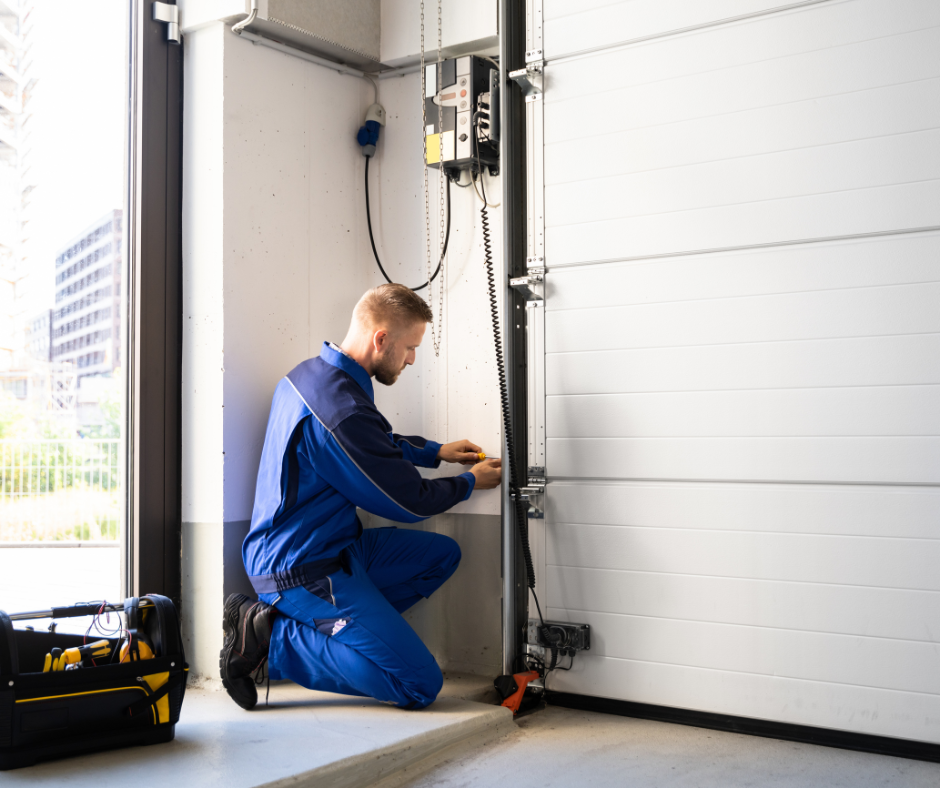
87,315
39,336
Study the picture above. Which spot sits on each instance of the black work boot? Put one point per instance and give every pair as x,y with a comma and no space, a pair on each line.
247,624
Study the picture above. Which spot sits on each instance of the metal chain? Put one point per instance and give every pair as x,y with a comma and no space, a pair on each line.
436,337
427,200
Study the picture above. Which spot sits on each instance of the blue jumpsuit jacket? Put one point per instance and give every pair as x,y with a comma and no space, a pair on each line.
341,590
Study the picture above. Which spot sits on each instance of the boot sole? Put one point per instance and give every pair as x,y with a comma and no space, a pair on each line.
230,628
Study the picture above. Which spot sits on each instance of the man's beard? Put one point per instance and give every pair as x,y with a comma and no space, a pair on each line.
386,373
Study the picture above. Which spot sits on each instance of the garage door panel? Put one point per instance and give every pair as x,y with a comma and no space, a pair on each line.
591,23
875,562
845,610
810,217
820,460
826,26
865,361
780,176
835,265
742,356
799,168
900,512
628,100
830,314
869,662
820,704
574,27
813,123
884,411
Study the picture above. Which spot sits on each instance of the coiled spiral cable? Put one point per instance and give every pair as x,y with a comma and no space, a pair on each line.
519,508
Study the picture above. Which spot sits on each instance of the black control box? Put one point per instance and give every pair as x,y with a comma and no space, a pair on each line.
568,638
462,115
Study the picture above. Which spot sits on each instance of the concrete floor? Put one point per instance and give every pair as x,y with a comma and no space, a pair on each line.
565,747
302,739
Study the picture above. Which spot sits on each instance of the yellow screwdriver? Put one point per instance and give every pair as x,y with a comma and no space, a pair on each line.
72,656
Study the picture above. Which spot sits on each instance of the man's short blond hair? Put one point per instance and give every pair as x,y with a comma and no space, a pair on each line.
392,305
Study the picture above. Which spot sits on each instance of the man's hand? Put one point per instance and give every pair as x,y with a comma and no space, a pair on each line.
489,473
464,452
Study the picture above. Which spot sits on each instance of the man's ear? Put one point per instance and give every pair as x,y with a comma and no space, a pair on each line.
379,340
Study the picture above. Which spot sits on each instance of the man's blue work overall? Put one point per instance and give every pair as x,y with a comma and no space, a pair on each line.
340,590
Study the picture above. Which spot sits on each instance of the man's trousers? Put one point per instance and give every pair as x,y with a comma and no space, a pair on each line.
346,634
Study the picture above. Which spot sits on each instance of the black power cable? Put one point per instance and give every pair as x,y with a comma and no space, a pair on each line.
372,239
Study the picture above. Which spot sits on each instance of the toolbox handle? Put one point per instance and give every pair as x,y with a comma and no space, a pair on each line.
9,659
74,611
167,639
81,609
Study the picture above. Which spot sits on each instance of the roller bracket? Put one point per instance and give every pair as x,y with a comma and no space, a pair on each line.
532,286
533,495
530,78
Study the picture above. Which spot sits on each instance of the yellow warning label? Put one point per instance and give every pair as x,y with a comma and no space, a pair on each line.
434,147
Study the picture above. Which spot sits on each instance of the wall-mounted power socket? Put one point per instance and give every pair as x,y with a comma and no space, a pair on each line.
563,635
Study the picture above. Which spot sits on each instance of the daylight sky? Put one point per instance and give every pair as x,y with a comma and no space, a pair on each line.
78,126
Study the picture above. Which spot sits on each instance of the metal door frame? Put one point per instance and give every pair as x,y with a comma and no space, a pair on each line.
153,339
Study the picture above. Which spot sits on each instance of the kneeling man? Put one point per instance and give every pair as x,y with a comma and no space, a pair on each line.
330,594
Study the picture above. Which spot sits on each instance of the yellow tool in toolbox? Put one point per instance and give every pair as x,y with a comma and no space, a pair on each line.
59,660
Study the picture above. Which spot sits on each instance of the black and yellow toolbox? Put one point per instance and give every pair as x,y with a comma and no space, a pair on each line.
69,694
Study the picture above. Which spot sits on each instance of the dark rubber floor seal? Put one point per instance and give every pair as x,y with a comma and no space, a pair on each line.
824,737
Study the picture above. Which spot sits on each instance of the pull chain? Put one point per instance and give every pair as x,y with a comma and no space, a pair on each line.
436,336
437,326
427,198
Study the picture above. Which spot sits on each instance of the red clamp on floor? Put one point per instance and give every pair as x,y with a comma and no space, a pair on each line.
519,682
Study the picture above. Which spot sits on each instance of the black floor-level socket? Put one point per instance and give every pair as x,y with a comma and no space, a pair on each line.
824,737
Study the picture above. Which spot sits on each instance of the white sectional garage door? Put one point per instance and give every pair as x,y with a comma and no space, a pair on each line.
742,355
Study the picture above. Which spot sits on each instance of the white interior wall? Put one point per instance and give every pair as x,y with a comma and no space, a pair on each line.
203,333
466,26
271,213
453,395
275,256
195,14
